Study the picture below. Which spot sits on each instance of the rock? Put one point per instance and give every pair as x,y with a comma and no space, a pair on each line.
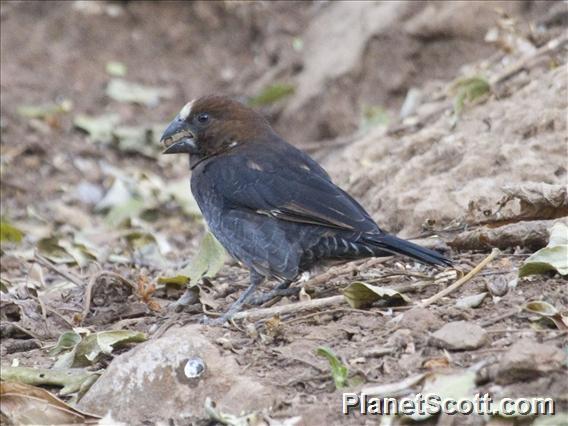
419,320
527,360
473,301
165,379
459,336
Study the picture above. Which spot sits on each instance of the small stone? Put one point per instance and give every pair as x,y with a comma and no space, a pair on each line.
459,336
498,286
527,360
420,319
473,301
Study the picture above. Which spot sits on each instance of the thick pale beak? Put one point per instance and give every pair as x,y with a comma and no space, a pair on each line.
178,139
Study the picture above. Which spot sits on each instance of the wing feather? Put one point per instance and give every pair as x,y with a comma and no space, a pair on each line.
289,187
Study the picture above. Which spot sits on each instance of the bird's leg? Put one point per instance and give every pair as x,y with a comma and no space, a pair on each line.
255,280
280,290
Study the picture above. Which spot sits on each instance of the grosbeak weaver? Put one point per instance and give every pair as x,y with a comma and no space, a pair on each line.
269,204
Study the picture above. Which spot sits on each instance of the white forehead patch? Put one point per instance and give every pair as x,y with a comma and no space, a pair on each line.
186,110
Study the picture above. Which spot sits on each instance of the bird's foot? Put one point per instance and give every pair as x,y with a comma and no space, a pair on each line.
278,292
226,317
187,300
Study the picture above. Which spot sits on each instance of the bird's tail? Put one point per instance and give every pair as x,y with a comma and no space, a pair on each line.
395,245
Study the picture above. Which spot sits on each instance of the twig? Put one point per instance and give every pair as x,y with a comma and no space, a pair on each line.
523,330
303,361
346,269
499,318
43,261
381,278
413,287
462,280
5,327
524,63
556,336
255,314
332,311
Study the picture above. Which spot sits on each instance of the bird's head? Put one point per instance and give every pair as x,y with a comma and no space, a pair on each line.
212,125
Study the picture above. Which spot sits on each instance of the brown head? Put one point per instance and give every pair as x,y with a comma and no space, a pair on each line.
212,125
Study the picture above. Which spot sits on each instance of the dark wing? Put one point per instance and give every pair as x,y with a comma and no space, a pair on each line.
285,183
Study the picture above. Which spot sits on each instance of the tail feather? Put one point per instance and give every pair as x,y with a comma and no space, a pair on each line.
396,245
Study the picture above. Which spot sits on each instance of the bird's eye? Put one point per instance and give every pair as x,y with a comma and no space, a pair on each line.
203,118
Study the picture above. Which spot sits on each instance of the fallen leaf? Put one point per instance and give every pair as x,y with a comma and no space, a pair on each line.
339,371
99,128
468,90
272,94
67,341
116,195
115,68
9,233
208,261
541,308
374,116
148,247
50,248
180,192
546,310
46,110
138,139
70,380
28,405
360,295
132,207
553,257
105,341
124,91
93,346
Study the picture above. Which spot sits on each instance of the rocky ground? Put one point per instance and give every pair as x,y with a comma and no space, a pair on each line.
449,130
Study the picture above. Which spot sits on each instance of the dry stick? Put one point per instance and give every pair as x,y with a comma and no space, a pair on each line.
461,281
414,287
523,63
255,314
43,261
499,318
332,311
562,333
345,269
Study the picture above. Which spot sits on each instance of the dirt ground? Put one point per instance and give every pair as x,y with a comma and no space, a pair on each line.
102,221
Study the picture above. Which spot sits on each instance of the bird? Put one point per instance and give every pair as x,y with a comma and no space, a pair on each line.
270,205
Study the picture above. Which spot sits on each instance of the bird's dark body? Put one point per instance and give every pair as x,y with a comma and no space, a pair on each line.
250,200
269,204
